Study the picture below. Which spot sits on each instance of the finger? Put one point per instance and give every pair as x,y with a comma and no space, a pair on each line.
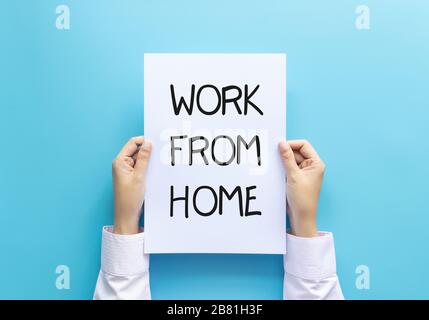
143,156
131,147
129,161
134,157
304,148
298,157
288,158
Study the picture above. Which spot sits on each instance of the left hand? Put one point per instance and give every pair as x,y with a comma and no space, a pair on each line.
129,184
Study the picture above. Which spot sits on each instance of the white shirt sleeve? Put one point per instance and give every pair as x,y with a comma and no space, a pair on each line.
310,268
124,270
310,271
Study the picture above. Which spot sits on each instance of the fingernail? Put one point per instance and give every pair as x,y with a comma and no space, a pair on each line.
284,145
146,145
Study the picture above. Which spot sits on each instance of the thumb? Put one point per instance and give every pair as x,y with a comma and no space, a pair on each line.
288,158
143,156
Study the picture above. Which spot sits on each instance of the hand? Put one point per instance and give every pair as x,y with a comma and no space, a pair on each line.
129,177
304,175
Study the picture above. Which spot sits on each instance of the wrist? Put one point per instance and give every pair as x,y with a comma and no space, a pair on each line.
126,227
305,229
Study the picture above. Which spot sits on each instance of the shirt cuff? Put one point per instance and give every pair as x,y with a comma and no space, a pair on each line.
310,258
123,255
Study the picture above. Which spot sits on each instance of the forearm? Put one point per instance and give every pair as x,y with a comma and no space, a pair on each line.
124,270
310,268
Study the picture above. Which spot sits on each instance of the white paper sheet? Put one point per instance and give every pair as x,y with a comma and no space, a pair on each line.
213,76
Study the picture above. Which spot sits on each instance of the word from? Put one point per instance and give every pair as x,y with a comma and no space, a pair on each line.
235,153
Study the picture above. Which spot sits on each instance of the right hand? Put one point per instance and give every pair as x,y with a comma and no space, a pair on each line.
304,176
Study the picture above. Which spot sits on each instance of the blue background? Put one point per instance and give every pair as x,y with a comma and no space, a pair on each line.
70,99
